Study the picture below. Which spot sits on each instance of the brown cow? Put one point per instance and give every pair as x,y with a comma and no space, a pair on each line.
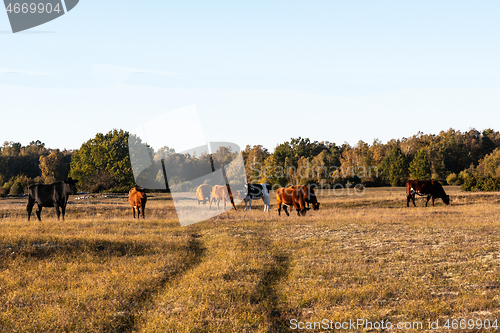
430,188
220,192
137,199
298,196
203,193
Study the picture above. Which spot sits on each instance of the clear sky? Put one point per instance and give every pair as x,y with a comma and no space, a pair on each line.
258,72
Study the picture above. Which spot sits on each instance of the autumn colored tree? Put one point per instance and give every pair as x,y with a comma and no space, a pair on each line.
53,167
254,158
272,172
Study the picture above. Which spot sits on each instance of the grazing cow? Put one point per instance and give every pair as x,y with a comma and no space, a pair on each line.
258,191
137,199
220,192
203,193
50,195
299,196
310,197
430,188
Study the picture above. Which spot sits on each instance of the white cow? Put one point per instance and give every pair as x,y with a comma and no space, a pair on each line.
258,191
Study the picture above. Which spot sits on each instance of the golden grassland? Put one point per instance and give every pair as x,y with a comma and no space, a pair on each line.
366,256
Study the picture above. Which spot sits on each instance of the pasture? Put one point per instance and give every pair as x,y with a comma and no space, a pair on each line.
359,257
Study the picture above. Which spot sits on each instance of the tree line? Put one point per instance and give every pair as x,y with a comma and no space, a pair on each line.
470,159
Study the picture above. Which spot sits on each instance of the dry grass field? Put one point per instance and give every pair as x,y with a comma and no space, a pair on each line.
359,257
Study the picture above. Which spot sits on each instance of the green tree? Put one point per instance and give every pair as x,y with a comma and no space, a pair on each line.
103,163
394,167
419,166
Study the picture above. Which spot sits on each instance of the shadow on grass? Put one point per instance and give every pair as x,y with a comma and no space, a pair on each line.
269,278
266,292
47,249
126,319
190,254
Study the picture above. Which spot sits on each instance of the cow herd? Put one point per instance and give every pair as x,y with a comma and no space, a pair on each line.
296,196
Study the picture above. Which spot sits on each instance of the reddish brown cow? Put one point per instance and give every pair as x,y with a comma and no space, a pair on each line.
299,196
220,192
430,188
203,193
137,199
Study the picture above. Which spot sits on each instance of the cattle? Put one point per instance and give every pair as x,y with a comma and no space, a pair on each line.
50,195
258,191
203,193
430,188
137,199
220,192
298,196
310,198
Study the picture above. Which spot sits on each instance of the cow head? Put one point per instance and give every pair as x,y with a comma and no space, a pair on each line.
446,199
139,189
311,199
304,211
238,195
71,184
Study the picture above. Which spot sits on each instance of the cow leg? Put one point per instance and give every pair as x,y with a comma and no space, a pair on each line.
38,212
29,207
279,208
297,208
250,204
428,198
285,209
133,211
143,211
58,212
63,211
211,199
412,197
432,198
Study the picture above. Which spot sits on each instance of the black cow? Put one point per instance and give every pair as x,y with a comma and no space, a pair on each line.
258,191
50,195
430,188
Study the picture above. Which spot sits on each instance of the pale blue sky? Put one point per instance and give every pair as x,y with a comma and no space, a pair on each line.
327,70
